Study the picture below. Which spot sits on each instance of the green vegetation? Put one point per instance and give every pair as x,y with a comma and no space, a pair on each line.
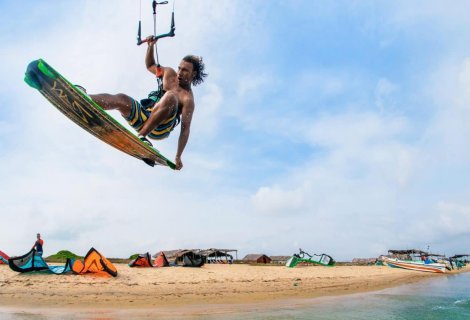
118,260
62,256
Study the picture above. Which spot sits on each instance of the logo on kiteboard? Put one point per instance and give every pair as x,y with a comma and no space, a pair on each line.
73,104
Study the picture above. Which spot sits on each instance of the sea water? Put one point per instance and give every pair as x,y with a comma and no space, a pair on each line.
442,297
446,297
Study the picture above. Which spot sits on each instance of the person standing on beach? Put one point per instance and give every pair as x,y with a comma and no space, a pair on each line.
38,245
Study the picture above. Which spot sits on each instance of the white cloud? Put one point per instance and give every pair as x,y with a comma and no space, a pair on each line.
272,200
360,179
252,84
354,129
437,13
464,84
454,218
207,114
448,133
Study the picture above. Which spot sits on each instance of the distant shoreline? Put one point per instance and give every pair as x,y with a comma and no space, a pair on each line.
223,285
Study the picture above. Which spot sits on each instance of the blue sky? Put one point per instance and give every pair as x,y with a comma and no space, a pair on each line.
337,127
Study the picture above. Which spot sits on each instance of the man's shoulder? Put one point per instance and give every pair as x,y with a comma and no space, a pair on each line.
186,96
169,69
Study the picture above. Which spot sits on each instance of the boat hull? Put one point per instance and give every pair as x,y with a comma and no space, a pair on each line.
416,265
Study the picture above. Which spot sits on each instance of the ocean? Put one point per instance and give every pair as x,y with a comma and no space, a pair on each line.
440,298
445,297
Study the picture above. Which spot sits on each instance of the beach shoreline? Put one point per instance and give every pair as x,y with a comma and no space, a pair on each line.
195,288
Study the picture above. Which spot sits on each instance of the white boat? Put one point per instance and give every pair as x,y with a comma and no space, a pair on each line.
415,265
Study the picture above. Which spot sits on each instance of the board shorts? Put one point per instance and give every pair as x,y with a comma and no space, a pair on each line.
140,114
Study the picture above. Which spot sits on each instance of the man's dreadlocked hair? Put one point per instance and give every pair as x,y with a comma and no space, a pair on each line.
198,66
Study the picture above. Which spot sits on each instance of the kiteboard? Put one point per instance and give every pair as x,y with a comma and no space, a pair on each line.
81,109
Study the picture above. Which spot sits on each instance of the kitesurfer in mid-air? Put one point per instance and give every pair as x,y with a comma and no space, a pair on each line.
156,116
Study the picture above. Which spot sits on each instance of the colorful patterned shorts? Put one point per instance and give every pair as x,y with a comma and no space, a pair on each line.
139,115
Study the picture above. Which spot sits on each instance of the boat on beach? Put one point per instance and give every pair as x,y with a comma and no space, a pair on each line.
305,258
416,260
415,265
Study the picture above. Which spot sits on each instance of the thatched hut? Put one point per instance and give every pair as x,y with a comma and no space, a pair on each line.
279,259
257,258
214,255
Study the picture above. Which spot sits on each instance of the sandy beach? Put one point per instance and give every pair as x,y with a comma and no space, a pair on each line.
211,284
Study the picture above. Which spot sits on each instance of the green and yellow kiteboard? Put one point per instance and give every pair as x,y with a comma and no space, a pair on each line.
82,110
